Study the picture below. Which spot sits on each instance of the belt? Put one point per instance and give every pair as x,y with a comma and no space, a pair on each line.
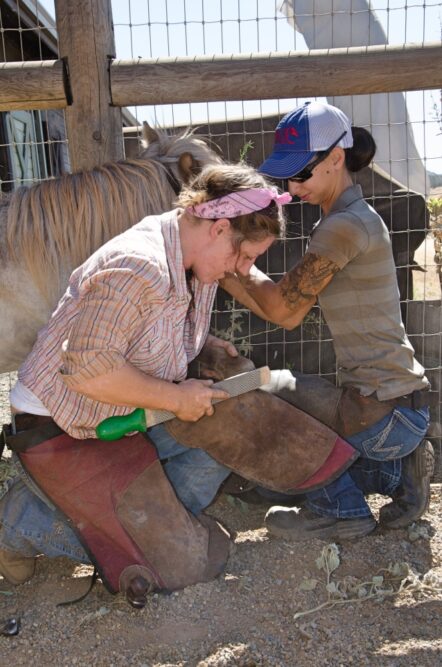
417,399
25,421
30,430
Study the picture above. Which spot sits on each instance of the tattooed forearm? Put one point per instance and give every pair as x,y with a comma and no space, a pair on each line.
306,280
286,302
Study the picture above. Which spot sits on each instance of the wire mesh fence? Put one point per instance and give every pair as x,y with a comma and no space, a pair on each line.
33,144
407,126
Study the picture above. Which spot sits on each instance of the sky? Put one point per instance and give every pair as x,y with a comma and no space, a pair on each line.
160,28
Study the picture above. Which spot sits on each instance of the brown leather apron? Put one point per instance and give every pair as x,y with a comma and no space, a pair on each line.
117,499
268,441
283,445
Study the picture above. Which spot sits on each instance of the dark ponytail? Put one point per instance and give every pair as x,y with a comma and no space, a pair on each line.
361,153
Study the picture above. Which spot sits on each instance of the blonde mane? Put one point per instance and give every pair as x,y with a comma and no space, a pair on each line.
52,227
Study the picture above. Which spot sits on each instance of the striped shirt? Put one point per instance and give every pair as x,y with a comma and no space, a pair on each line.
129,302
361,304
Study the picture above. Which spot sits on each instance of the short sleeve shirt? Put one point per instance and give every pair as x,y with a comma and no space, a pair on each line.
361,304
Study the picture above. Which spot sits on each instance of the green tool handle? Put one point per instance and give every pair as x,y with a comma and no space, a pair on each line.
114,428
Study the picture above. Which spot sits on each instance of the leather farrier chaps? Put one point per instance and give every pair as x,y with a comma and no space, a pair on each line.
117,499
264,436
119,502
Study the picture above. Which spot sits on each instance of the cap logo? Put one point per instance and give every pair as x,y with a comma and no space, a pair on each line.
285,135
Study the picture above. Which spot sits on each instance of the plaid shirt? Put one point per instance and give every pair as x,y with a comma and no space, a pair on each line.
129,302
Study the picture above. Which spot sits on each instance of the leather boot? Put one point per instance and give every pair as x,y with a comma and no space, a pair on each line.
412,498
16,568
300,524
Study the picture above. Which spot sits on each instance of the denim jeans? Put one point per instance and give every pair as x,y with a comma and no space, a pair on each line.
378,470
30,527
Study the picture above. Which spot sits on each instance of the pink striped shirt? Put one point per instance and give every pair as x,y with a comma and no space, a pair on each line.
129,302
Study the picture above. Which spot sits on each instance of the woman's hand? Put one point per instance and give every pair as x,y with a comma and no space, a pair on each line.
188,400
195,399
214,342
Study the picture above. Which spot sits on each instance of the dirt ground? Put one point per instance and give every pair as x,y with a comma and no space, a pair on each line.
246,617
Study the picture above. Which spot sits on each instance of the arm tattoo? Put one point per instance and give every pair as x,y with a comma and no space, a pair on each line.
307,279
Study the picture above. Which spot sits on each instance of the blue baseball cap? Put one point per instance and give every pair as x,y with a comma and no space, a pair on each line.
301,134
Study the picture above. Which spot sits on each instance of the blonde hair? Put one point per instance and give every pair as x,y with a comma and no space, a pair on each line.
216,181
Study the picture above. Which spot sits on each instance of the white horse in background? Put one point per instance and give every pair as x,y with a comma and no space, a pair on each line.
50,228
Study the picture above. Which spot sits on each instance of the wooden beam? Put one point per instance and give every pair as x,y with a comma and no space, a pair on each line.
350,71
32,85
86,44
343,71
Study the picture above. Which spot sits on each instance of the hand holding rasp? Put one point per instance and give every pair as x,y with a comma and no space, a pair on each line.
114,428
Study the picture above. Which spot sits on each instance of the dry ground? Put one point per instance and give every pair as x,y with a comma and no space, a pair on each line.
246,617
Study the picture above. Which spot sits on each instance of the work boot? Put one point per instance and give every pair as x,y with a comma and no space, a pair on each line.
256,496
16,568
300,524
412,497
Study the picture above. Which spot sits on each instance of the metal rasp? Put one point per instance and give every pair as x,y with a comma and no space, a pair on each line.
140,419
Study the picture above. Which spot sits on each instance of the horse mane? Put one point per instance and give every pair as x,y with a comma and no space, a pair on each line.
53,226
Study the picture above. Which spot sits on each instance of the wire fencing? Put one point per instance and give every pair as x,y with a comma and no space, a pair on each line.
406,176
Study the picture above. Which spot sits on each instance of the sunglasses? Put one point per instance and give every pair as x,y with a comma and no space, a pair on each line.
307,172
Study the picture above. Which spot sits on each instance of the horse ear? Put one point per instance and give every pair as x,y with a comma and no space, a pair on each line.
188,166
150,135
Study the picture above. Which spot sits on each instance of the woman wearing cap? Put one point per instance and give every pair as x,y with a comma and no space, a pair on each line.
134,316
382,402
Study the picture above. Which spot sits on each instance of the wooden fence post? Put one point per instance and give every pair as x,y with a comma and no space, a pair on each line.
86,44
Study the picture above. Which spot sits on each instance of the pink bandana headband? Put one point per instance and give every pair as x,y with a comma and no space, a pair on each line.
239,203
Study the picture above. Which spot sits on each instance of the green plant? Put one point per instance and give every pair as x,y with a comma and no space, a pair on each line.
395,579
434,205
311,324
244,150
235,326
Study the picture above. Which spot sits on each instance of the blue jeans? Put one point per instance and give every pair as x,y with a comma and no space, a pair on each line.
378,470
30,527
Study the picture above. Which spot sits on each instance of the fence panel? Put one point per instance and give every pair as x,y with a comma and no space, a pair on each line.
406,125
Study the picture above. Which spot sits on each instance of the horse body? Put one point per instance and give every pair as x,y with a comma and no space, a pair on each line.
52,227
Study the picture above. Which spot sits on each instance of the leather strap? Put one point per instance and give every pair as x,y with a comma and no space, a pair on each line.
417,399
31,430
